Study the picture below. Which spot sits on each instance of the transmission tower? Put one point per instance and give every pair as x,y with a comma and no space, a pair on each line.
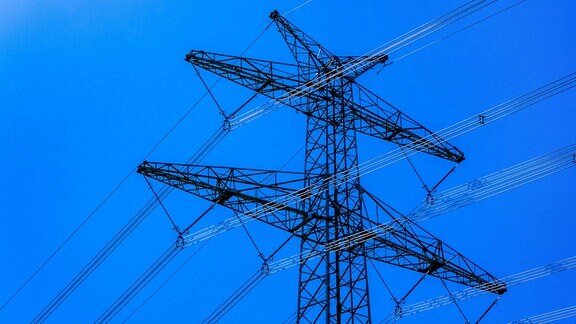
333,286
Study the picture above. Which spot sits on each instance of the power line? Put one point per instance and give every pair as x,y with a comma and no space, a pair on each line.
512,280
66,240
388,48
236,297
249,116
265,259
158,144
344,178
453,131
243,291
297,7
97,260
453,198
102,203
321,160
166,281
370,171
458,31
478,197
474,122
140,283
127,229
549,317
111,246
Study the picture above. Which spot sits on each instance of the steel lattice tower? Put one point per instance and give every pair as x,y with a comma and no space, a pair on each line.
333,287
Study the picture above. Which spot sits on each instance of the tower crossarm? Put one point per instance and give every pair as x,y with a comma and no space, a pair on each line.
269,196
405,244
276,80
375,116
427,254
378,118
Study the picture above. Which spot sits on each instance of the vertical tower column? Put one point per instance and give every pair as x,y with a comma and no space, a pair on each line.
334,286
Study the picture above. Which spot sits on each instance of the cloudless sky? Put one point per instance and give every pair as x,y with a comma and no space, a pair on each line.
88,89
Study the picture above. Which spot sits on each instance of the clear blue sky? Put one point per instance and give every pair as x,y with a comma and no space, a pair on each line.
87,89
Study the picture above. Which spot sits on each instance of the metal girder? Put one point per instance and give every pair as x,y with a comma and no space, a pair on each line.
378,118
413,248
403,243
374,115
268,196
273,79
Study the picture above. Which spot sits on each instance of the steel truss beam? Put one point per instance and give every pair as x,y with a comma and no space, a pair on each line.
268,196
406,244
374,116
